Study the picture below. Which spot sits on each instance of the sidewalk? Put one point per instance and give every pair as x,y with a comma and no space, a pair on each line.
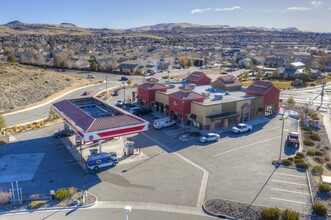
327,124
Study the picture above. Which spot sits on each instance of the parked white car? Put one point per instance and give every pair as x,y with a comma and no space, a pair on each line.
240,128
163,123
209,137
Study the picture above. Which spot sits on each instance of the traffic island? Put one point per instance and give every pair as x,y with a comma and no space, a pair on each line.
226,209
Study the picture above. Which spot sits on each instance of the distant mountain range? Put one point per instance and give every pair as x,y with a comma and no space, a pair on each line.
18,27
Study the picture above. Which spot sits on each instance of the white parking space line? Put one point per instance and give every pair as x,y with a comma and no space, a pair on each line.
289,191
285,174
286,200
299,184
260,142
210,145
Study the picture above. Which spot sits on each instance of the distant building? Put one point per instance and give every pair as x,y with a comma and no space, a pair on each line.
198,78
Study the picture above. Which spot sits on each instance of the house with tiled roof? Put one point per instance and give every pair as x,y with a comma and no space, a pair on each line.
227,82
198,78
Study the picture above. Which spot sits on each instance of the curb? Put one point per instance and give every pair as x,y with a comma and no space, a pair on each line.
223,216
51,209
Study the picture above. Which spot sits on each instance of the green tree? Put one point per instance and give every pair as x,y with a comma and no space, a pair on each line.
307,70
259,75
2,122
245,75
275,74
290,102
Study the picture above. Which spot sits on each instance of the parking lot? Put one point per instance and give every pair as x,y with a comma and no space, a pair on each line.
240,165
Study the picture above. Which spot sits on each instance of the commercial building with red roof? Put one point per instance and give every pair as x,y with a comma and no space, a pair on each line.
211,106
198,78
227,82
94,120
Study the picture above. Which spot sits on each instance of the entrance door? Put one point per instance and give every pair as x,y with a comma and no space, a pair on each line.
269,110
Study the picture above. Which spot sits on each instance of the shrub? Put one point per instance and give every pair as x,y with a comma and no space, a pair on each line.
4,198
289,214
327,159
270,213
328,166
318,153
310,152
324,187
3,141
319,160
315,137
305,128
61,194
302,165
36,204
317,170
315,117
72,191
290,158
308,142
195,134
286,162
301,155
319,209
298,161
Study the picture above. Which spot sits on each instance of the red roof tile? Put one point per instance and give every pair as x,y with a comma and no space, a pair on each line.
155,86
186,95
88,123
195,77
259,87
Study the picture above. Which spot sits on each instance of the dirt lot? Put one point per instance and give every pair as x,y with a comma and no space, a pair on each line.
22,85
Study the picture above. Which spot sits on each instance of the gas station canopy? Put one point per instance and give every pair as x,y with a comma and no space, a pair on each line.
93,120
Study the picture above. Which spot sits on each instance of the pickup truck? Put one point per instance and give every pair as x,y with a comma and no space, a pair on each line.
293,138
240,128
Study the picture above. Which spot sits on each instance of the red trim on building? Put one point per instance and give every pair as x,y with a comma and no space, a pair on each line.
122,131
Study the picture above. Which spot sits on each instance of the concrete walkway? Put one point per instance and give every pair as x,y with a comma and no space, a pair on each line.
151,207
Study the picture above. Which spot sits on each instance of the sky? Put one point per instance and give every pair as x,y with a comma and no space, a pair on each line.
308,15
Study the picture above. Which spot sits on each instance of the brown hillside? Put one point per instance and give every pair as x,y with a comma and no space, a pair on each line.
22,85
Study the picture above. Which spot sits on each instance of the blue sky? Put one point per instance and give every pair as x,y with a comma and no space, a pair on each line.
312,15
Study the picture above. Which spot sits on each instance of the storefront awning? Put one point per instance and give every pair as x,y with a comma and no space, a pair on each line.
223,115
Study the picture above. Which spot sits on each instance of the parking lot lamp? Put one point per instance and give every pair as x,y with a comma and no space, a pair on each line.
79,142
106,87
281,141
124,92
127,211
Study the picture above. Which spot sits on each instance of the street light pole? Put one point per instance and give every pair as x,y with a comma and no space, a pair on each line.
124,94
106,87
127,211
281,142
83,174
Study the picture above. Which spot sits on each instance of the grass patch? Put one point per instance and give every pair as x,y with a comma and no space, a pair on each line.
277,83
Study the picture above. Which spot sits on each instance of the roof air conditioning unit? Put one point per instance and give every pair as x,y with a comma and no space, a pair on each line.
206,94
220,97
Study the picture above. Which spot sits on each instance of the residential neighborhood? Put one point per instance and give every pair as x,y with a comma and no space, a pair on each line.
165,110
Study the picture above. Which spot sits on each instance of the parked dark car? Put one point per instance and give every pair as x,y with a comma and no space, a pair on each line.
116,93
124,78
86,93
64,133
145,111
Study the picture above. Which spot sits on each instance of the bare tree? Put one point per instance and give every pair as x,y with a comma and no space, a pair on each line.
305,109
